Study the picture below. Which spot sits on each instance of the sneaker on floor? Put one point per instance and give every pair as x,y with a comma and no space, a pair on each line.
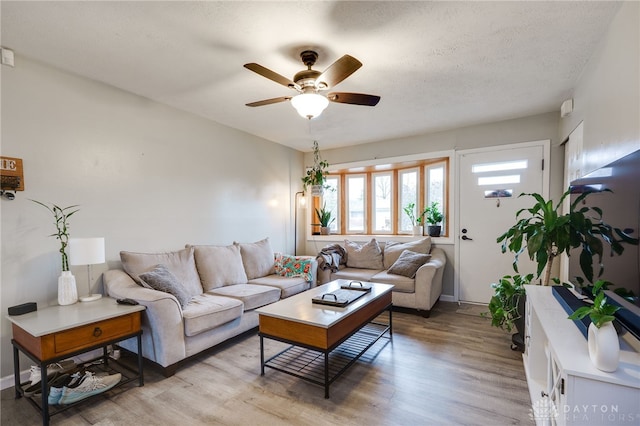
57,367
88,386
55,393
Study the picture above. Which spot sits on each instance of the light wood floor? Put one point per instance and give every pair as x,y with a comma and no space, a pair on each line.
450,369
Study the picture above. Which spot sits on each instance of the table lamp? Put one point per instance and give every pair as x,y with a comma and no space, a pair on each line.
87,251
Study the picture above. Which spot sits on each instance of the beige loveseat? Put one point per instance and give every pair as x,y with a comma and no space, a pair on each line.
416,274
200,296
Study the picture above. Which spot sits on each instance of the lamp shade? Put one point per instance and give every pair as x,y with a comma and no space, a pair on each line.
309,105
86,251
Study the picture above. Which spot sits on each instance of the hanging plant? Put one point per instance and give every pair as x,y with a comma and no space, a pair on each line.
316,175
61,216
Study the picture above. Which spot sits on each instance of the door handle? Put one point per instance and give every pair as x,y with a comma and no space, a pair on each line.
464,237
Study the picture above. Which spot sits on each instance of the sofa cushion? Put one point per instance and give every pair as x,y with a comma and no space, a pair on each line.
207,311
355,274
159,278
402,284
393,249
253,296
293,266
180,263
408,263
366,256
257,258
288,285
219,266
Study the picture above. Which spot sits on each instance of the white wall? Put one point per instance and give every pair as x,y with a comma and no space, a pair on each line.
147,178
607,96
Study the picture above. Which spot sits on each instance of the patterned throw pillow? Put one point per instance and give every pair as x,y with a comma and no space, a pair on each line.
292,266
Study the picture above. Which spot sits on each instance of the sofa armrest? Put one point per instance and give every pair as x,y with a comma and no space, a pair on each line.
429,279
163,329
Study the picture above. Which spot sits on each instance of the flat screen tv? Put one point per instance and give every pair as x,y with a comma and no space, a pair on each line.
621,209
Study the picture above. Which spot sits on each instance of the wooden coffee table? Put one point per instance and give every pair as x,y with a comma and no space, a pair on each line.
325,340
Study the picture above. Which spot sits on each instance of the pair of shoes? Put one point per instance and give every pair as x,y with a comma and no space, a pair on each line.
87,385
33,386
57,367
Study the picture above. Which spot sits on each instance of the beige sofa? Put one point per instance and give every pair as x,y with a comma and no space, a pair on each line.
203,295
416,274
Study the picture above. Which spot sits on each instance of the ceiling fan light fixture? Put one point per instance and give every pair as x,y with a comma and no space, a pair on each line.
309,105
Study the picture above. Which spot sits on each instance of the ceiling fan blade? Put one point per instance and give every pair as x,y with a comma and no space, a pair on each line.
271,75
354,98
269,101
338,71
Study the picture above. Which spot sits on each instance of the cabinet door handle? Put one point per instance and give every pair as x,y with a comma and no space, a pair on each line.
97,332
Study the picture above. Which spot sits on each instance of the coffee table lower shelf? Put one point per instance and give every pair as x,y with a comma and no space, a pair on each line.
323,367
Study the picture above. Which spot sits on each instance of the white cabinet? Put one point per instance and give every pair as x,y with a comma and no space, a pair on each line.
565,387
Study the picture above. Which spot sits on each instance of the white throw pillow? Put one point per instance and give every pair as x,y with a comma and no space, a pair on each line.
365,256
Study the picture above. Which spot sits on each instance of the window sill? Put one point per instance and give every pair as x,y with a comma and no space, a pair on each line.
381,237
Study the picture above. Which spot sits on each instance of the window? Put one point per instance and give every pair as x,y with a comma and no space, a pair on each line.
382,208
330,200
356,202
435,186
371,199
408,194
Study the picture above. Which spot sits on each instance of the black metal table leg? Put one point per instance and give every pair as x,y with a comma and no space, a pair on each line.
140,371
326,375
261,356
16,372
44,388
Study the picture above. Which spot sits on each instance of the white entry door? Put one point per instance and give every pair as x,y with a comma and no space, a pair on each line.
489,184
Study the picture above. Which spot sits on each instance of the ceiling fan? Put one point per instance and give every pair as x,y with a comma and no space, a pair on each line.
308,83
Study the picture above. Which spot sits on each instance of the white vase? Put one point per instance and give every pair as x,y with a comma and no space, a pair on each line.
67,290
317,190
604,347
418,231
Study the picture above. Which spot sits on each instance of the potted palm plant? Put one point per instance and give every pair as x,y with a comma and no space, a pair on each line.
434,219
544,233
325,220
315,176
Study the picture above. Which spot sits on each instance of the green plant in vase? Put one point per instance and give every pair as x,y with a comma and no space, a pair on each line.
324,219
67,291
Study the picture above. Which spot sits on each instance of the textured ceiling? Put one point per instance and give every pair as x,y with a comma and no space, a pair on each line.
436,65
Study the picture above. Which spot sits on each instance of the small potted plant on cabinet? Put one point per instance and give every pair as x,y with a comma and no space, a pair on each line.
325,220
315,176
604,346
434,219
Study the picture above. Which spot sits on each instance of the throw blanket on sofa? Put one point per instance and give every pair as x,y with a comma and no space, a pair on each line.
331,257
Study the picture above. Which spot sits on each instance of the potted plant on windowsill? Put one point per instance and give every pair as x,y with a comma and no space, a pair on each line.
544,233
324,219
416,220
315,176
67,290
434,219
